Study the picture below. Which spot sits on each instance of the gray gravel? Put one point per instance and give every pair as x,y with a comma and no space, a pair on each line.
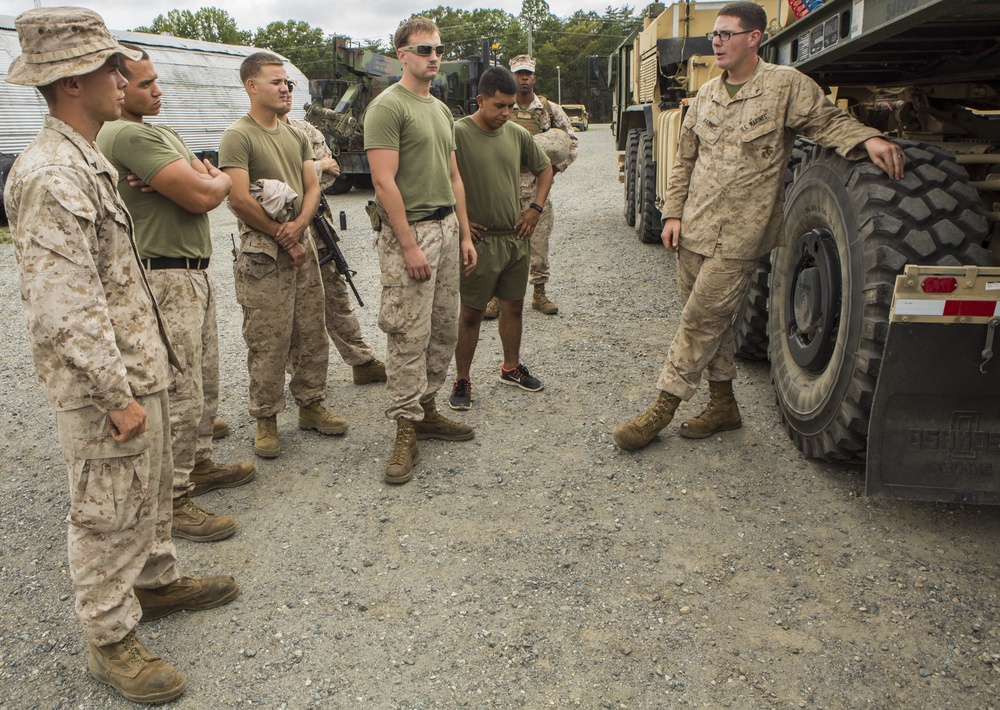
536,565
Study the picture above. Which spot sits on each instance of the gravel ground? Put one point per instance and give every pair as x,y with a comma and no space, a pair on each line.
536,565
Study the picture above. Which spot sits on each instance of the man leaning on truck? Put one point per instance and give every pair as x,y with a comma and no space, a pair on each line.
724,209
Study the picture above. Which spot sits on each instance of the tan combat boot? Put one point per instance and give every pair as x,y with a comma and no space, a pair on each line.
135,672
644,428
265,439
373,371
220,430
434,426
315,416
208,475
187,594
492,309
721,414
405,456
540,302
194,523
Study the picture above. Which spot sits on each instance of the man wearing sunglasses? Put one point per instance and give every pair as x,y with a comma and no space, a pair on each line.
724,208
423,241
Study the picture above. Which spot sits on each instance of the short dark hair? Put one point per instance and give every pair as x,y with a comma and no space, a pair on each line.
751,15
123,63
412,26
252,65
497,80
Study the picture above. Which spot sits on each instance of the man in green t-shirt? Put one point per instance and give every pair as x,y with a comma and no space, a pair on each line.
491,153
174,241
423,239
277,276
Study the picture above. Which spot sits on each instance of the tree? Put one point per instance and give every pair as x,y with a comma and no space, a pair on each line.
304,45
211,24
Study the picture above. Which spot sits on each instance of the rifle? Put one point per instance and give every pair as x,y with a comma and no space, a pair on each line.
325,231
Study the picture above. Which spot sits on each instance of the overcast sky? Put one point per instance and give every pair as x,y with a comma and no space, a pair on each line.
360,19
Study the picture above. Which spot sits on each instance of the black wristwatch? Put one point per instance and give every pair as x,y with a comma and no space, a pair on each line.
536,206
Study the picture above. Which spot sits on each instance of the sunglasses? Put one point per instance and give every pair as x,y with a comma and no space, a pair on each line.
424,50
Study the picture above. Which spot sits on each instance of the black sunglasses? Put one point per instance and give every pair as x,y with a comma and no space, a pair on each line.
424,50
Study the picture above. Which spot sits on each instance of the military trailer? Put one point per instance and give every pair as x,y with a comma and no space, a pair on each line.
925,73
578,117
337,106
202,93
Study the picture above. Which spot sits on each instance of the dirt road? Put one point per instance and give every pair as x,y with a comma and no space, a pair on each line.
536,565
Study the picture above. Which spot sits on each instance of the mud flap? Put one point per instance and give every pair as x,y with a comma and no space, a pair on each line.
934,432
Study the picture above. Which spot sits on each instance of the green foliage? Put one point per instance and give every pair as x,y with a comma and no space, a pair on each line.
304,45
4,234
211,24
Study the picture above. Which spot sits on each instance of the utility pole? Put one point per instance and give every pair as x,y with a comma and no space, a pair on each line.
529,38
558,86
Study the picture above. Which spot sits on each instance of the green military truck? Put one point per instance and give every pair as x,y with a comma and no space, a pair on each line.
925,72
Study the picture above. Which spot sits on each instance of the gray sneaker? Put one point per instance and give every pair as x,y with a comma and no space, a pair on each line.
520,377
461,395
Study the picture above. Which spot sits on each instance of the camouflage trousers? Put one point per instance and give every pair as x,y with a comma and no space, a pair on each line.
538,272
283,329
341,324
712,291
186,299
419,318
119,515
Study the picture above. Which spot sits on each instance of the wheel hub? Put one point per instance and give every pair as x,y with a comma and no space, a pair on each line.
813,300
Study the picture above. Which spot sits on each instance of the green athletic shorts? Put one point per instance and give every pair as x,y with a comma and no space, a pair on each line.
501,271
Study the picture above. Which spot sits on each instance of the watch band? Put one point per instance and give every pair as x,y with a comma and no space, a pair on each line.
536,206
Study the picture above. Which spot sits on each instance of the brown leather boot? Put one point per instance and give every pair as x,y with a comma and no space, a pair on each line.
373,371
135,672
721,414
405,455
220,430
208,476
434,426
265,440
315,416
492,309
187,594
540,302
193,523
644,428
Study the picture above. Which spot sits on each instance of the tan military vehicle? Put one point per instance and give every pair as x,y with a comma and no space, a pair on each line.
578,117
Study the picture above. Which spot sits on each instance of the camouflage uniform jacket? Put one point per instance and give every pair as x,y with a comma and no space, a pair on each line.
319,146
95,334
559,120
727,185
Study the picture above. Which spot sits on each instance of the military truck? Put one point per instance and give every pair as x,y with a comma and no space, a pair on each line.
578,117
337,105
925,73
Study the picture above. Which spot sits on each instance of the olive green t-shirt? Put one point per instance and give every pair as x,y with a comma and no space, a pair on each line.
162,227
422,131
267,155
490,163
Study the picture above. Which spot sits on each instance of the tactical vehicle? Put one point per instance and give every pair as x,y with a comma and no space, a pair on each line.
925,73
578,117
338,105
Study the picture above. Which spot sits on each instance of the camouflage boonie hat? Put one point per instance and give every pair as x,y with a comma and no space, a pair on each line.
522,62
57,42
555,143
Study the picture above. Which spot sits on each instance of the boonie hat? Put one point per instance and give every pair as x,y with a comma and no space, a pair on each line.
57,42
522,62
555,143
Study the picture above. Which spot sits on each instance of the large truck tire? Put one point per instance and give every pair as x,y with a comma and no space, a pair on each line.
648,223
340,186
849,231
750,323
631,151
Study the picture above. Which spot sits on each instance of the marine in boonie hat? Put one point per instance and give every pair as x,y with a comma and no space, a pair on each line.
522,62
57,42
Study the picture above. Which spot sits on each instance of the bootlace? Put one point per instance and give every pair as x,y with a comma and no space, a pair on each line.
461,388
405,438
129,642
194,507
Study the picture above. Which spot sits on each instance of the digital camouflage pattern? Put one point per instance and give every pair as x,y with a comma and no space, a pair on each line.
733,154
97,344
187,304
320,149
341,321
419,318
282,311
711,291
